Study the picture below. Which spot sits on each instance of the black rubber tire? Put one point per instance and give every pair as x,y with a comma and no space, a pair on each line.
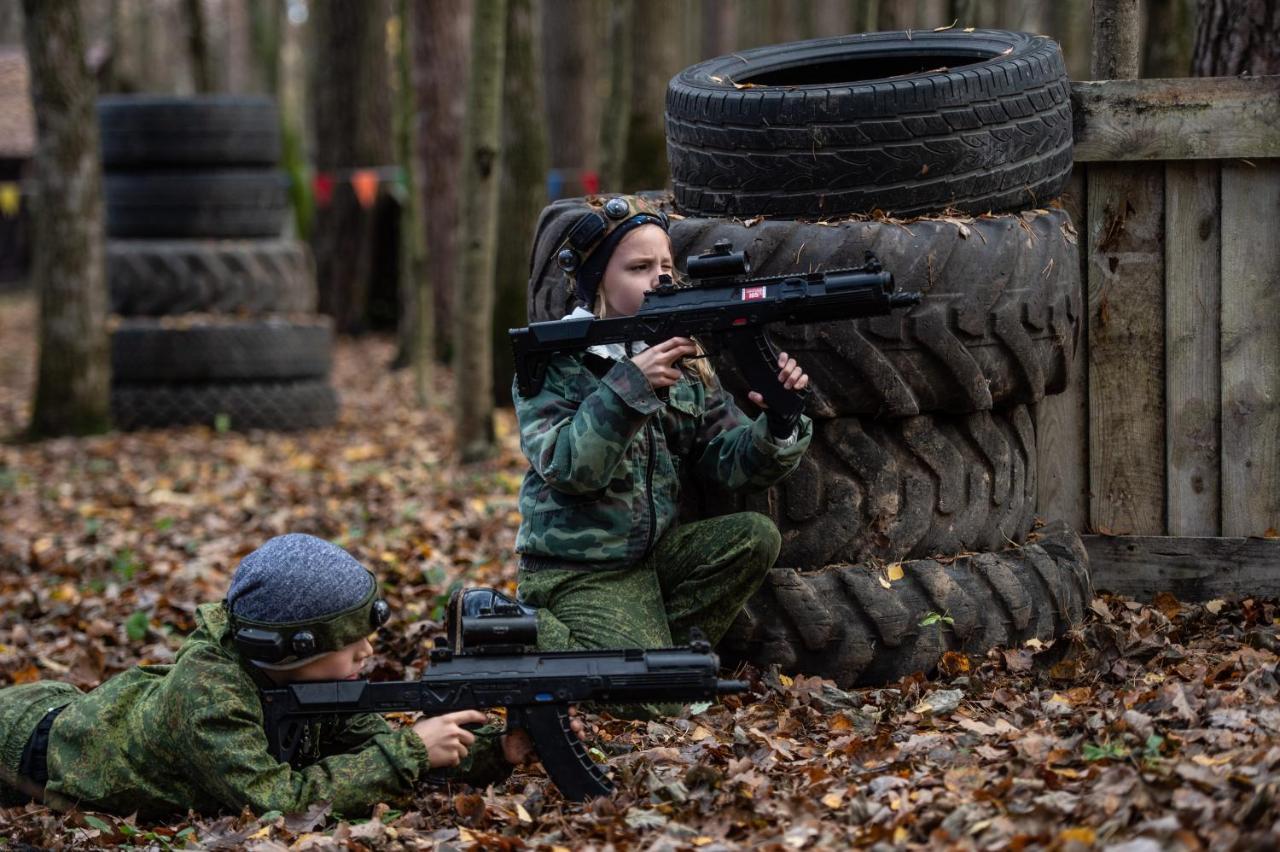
284,406
224,204
998,325
248,277
905,122
908,488
842,623
221,349
150,131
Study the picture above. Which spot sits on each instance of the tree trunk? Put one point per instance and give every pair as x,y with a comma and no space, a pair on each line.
1170,28
473,373
416,329
441,56
1236,37
656,59
719,27
614,130
267,20
1070,25
73,383
352,126
198,41
572,31
524,185
1115,40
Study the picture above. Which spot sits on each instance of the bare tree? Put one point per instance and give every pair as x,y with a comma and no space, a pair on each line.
416,325
351,108
657,57
441,55
1167,46
1115,39
617,108
1237,37
524,184
572,31
198,39
473,373
74,374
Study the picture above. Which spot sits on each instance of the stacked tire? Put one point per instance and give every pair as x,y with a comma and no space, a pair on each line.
908,527
213,310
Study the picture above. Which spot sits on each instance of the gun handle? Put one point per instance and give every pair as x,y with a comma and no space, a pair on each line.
531,372
562,754
755,356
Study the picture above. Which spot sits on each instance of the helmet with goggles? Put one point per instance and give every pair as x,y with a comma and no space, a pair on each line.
298,597
590,241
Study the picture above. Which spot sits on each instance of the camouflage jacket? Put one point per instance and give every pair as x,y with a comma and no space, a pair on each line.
160,739
607,457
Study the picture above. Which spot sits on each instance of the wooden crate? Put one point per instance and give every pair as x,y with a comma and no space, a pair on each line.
1170,431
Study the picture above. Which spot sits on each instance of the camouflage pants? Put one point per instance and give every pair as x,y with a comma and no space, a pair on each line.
696,575
21,709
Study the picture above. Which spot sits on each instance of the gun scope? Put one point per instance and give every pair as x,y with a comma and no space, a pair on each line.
721,262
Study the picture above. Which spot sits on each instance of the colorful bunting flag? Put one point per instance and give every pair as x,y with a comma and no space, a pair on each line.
365,184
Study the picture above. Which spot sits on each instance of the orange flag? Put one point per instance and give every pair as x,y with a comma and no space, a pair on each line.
365,184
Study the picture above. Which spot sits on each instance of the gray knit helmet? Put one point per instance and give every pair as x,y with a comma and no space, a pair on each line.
297,597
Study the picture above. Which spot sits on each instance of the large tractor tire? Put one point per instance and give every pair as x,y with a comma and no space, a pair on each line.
906,488
221,349
245,277
856,626
159,131
998,324
225,204
903,122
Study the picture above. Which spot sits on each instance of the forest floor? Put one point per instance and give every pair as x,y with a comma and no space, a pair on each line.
1152,727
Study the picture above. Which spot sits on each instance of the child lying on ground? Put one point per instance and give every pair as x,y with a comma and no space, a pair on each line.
162,739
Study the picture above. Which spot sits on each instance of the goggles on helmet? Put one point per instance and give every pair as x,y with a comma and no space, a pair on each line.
594,226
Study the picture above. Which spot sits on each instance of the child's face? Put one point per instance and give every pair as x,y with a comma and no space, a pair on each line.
639,259
343,664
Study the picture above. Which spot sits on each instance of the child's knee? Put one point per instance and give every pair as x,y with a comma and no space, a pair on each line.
765,540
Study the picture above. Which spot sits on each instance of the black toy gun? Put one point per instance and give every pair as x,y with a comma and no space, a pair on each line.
536,688
725,306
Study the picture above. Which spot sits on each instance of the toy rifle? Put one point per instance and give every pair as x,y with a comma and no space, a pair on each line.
536,688
722,304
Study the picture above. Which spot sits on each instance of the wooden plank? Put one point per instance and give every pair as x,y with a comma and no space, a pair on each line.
1191,569
1180,119
1192,268
1126,349
1250,348
1062,420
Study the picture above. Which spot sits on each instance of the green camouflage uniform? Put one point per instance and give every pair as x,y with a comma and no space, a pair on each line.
600,556
163,739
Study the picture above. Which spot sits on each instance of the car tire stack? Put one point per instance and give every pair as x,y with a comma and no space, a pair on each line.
213,311
917,495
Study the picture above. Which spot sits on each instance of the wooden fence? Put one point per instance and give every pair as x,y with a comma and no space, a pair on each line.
1169,436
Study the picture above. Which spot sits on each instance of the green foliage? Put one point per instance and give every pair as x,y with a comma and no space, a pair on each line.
932,618
1106,751
222,423
137,625
126,565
